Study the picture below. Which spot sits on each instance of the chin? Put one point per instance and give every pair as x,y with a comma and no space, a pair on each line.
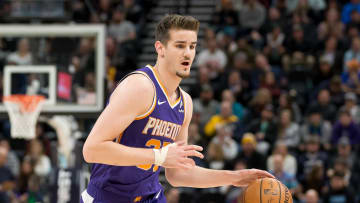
183,74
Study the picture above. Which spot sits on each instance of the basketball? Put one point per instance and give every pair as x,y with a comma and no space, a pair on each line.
266,190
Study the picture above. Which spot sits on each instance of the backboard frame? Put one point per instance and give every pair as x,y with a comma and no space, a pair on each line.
70,30
51,70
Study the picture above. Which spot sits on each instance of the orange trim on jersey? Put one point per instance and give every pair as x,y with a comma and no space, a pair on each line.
118,139
138,199
184,103
150,110
163,88
154,99
183,98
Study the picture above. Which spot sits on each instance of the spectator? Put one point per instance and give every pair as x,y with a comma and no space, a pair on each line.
351,77
345,127
104,10
134,12
310,158
332,26
222,147
338,190
297,42
336,93
340,166
202,79
235,84
226,117
351,106
195,138
23,55
6,177
311,196
315,180
344,151
213,58
119,28
348,8
273,20
42,166
252,158
288,131
226,16
27,170
205,105
269,82
237,109
323,73
12,161
324,105
352,54
316,126
274,47
289,162
287,101
258,102
332,55
252,15
264,128
287,179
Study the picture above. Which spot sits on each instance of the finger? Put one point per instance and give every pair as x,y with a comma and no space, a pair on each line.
193,147
194,153
264,174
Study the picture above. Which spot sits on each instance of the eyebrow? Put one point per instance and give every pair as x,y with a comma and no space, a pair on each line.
185,42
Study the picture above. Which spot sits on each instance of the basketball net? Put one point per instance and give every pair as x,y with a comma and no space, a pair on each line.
23,112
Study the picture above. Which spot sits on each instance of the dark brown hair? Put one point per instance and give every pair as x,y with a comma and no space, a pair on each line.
174,22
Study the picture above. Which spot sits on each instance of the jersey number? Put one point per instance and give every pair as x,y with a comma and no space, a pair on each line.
157,145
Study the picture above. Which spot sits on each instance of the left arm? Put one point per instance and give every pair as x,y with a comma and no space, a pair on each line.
199,177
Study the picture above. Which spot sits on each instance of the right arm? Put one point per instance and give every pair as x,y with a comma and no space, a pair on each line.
132,97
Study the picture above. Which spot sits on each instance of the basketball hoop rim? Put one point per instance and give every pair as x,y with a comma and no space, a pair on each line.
28,103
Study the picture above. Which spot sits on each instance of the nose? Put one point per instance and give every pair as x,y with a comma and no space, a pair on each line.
187,52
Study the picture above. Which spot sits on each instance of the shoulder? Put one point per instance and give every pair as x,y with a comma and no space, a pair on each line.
136,82
136,87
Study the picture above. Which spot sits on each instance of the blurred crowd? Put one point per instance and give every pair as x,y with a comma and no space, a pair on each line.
278,89
29,169
278,86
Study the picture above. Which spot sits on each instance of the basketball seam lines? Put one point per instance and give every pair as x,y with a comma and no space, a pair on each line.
261,190
280,190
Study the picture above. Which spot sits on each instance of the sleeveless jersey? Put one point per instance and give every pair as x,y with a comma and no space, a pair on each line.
155,129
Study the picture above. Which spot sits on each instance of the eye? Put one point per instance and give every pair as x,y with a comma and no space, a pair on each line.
192,46
180,46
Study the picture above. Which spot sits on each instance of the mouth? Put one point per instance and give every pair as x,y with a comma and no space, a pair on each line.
185,63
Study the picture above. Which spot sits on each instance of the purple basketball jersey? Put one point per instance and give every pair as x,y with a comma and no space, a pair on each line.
155,129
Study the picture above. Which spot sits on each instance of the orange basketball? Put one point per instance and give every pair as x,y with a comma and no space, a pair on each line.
266,190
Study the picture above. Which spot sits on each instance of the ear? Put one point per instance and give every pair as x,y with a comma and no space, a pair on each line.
159,47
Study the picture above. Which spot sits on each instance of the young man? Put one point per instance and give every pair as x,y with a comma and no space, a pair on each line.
147,112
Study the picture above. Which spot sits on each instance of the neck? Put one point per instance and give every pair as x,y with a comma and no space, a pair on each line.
169,80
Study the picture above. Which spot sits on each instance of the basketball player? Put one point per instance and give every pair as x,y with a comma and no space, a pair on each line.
146,113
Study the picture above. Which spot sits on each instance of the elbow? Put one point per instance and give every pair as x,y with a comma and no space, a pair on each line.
88,153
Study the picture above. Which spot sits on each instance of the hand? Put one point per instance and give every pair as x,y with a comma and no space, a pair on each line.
247,176
177,155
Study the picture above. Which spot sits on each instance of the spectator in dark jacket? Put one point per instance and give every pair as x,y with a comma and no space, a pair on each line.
345,126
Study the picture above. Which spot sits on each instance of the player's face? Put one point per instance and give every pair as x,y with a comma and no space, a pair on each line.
180,51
